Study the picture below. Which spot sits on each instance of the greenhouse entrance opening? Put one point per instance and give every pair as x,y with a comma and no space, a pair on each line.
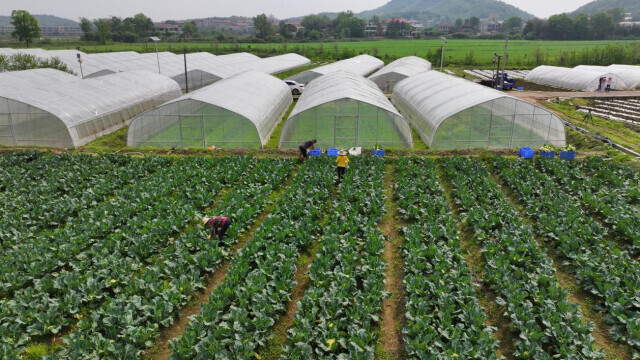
345,134
192,131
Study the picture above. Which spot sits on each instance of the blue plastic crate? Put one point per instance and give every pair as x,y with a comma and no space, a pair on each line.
567,155
548,154
316,152
332,152
379,152
526,152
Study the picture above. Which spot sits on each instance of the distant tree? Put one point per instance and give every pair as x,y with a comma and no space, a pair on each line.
397,28
474,23
104,29
459,22
262,26
171,22
25,26
190,30
602,25
142,25
512,24
315,35
536,29
581,30
283,29
347,20
560,27
315,22
87,28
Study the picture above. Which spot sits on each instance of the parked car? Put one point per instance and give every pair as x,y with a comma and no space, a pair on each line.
296,88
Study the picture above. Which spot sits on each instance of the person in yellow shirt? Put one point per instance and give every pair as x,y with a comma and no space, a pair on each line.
342,162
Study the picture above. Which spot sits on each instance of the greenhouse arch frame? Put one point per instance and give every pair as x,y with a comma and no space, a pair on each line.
217,115
452,113
73,112
342,110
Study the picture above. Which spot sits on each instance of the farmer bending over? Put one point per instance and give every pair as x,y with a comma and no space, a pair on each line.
217,225
305,146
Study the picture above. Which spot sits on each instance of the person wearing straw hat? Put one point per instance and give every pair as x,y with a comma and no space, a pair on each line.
342,162
217,225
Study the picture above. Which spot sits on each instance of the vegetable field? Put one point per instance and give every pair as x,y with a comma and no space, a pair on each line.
104,256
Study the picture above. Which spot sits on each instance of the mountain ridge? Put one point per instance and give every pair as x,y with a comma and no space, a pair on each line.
43,20
630,6
447,10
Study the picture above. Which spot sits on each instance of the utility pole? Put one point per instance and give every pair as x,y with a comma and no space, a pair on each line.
155,41
186,78
444,40
80,62
504,64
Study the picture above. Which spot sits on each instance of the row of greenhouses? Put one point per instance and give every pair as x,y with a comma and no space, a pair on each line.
192,71
587,77
340,109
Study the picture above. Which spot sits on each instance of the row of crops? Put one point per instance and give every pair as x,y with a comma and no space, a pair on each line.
102,253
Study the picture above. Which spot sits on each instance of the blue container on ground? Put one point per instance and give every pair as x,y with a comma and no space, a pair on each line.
316,152
548,154
332,152
379,152
526,152
567,155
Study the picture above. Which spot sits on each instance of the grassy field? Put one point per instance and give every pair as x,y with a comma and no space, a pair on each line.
522,53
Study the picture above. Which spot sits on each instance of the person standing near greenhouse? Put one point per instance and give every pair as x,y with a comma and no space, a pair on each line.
342,162
608,89
217,225
304,148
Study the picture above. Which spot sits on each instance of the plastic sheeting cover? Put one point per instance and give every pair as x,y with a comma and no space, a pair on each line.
388,76
363,65
83,108
450,112
630,74
229,103
573,79
342,94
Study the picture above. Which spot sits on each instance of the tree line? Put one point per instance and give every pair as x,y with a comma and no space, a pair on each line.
130,29
599,26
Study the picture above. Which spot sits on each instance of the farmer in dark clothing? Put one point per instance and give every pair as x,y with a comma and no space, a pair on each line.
217,225
305,146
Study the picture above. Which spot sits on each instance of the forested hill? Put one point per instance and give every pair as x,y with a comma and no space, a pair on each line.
44,20
630,6
446,10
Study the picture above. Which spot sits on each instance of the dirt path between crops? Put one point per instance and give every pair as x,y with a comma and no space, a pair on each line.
475,261
391,344
160,350
273,348
568,282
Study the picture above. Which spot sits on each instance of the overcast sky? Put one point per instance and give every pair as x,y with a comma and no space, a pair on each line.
184,9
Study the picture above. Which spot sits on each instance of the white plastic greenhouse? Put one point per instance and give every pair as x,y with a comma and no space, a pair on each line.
364,65
630,74
343,110
37,110
452,113
572,79
202,68
239,112
387,77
